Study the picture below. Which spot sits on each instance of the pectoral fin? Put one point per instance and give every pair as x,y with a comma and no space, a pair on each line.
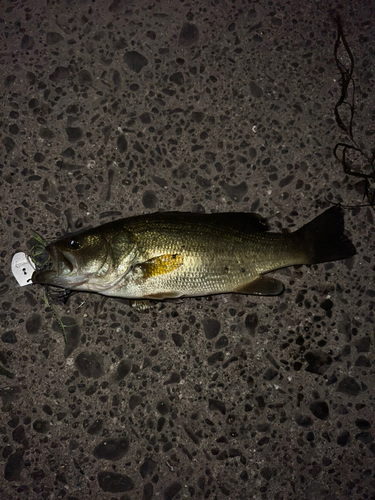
162,264
263,285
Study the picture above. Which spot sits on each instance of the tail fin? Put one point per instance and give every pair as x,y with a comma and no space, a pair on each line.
324,237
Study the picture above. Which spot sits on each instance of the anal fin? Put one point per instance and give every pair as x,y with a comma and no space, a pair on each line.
263,285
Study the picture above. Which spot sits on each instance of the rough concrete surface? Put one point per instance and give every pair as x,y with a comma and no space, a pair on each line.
115,108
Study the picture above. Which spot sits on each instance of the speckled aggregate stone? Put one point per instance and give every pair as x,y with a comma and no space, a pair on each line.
111,109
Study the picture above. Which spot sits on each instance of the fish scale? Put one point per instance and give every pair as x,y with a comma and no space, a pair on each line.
175,254
220,263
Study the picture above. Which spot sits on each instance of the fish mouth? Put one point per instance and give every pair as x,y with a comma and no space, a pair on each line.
59,271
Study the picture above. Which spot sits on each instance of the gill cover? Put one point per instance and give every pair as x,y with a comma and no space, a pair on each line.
90,260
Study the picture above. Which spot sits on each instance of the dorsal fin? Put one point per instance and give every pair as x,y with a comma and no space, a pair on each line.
245,222
241,221
263,285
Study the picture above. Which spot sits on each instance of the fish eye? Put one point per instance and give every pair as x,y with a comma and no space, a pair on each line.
74,244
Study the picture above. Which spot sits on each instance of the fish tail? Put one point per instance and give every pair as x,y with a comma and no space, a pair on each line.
324,238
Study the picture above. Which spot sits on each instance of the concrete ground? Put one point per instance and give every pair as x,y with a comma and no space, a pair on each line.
110,109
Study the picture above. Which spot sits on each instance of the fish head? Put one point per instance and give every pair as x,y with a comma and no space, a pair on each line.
89,261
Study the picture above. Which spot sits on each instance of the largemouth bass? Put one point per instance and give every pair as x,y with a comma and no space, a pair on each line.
175,254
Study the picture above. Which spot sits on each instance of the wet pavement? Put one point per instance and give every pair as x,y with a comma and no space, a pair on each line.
114,109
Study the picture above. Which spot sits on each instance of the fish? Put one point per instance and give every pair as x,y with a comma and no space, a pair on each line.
168,255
